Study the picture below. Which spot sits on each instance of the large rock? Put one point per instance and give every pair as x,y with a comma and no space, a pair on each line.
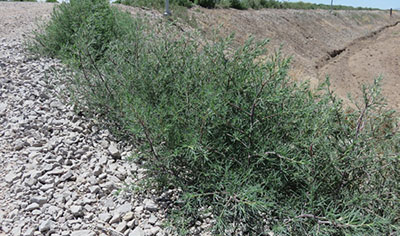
116,218
39,200
137,232
11,177
153,219
83,233
46,225
105,217
32,206
128,216
76,211
113,149
16,231
121,227
29,232
3,108
125,208
150,205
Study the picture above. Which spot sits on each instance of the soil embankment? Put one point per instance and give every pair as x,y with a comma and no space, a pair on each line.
367,59
351,47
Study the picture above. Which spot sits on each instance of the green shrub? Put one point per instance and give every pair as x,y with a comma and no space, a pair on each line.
178,8
232,131
206,3
223,4
184,3
238,136
238,4
70,20
254,4
158,4
144,3
51,1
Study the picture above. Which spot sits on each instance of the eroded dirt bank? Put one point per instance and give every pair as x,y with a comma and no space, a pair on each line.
365,60
351,47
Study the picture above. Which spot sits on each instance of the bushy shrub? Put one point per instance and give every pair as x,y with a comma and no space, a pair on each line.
206,3
240,137
237,4
159,4
144,3
254,4
184,3
70,20
223,4
231,130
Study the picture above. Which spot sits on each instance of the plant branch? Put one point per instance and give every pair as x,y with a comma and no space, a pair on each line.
147,134
323,220
98,72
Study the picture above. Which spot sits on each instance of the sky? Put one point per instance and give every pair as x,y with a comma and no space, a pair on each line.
382,4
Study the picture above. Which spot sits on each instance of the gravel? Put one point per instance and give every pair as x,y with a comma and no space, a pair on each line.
56,174
60,173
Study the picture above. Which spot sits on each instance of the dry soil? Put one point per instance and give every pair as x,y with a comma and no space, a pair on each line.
351,47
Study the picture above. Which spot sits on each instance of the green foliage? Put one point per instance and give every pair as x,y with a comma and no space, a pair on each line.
239,4
91,19
206,3
177,7
144,3
158,4
259,4
230,129
51,1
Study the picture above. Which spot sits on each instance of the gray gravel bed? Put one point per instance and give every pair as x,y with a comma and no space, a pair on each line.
59,173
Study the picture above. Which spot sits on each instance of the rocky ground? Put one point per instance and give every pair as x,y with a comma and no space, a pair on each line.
59,173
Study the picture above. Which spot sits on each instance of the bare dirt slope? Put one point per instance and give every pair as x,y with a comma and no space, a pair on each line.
365,60
352,47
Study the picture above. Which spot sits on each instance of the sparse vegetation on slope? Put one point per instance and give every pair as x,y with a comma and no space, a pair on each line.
245,144
240,4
